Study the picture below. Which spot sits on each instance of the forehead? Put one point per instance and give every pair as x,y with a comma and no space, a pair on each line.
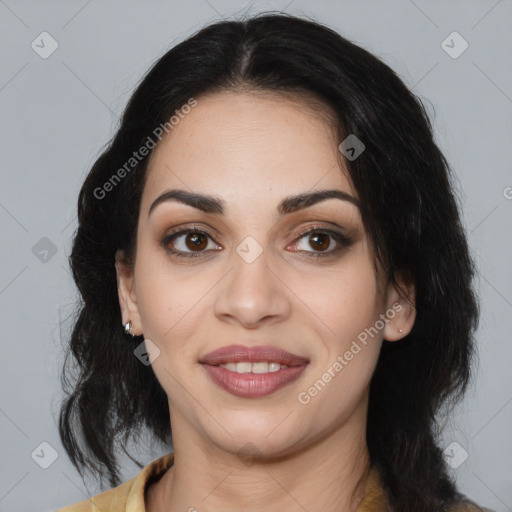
244,147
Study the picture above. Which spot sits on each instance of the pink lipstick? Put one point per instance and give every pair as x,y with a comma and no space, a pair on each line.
252,372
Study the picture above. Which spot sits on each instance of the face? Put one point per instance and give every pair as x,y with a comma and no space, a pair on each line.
296,276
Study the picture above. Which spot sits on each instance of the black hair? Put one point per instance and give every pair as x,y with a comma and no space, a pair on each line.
409,210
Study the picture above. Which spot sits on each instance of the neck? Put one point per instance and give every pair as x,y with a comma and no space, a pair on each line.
329,475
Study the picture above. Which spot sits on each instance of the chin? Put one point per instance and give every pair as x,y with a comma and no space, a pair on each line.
270,438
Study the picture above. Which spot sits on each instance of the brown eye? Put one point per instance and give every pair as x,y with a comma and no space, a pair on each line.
324,242
195,241
188,243
319,241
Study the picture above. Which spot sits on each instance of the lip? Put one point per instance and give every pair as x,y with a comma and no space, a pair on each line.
238,353
252,385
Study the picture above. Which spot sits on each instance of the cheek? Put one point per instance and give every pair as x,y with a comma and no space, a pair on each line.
170,309
171,318
344,300
169,300
346,305
348,310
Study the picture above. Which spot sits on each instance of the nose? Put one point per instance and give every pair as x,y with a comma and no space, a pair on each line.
252,293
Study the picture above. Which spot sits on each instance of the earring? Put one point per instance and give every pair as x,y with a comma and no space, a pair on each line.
128,328
400,330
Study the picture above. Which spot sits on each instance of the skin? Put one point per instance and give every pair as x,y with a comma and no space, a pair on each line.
252,151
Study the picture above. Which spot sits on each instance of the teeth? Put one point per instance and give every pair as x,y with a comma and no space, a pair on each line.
248,367
243,367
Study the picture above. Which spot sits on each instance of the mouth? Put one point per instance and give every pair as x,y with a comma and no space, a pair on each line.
239,357
252,372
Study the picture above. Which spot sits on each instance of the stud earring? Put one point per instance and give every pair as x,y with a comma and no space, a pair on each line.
128,328
400,330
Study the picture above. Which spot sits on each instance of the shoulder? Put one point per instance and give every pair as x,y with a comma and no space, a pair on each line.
376,497
466,505
113,499
127,496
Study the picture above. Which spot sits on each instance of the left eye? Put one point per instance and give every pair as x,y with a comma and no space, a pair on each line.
320,242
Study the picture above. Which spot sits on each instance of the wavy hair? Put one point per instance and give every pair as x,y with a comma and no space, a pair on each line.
409,209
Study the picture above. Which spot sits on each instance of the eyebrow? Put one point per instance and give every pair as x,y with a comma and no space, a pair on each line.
211,204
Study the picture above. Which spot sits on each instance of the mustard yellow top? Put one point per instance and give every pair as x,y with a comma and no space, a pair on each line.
129,497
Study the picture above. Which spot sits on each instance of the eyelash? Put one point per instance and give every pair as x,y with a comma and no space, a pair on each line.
343,241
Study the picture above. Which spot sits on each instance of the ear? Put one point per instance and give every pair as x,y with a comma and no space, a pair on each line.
401,301
126,293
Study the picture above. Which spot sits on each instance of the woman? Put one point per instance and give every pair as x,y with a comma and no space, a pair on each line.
273,267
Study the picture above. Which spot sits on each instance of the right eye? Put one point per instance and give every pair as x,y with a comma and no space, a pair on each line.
188,243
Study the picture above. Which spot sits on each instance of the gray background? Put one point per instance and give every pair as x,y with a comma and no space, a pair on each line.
59,111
